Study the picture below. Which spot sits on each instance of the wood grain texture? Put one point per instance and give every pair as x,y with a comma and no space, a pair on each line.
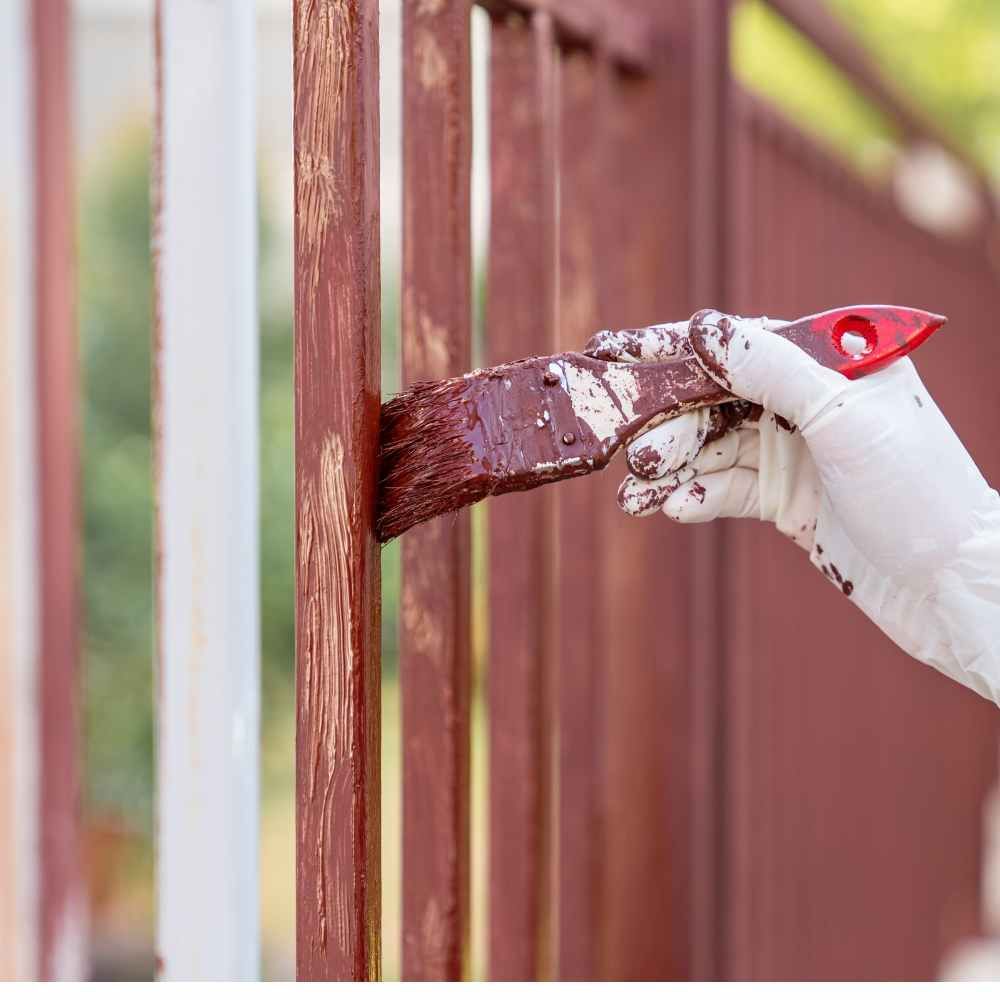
63,931
520,322
644,622
840,865
337,398
710,90
580,507
434,643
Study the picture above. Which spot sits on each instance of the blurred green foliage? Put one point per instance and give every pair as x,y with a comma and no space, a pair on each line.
115,310
941,54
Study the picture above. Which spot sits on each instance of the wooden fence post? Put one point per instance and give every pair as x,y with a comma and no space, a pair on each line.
63,943
337,401
521,321
207,600
580,516
435,654
710,87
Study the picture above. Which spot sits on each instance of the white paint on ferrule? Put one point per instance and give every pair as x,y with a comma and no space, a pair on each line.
564,463
605,405
208,629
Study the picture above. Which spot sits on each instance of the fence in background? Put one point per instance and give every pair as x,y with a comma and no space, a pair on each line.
702,764
43,907
205,346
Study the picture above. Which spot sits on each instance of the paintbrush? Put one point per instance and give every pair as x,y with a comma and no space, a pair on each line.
445,445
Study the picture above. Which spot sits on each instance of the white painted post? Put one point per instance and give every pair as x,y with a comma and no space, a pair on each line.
207,520
19,728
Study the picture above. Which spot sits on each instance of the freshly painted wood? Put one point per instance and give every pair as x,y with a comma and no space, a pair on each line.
616,28
710,89
641,653
337,399
578,657
62,912
434,642
521,321
827,721
207,493
19,637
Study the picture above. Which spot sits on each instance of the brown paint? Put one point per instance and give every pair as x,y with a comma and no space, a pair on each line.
447,444
580,625
826,721
711,282
640,280
336,437
506,429
520,316
62,905
435,654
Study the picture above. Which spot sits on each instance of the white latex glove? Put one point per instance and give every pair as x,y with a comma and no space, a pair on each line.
866,476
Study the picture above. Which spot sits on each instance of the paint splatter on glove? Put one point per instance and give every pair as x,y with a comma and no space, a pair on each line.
866,476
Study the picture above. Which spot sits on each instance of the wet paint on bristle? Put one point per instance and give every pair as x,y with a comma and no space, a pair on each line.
445,445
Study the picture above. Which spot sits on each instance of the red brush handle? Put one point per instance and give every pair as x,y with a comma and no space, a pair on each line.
859,340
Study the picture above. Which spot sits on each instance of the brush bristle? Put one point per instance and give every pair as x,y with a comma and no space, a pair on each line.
426,459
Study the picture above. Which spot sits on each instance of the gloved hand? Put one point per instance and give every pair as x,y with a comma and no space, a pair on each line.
866,476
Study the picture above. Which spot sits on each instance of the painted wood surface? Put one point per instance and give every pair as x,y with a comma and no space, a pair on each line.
581,623
521,321
636,287
19,706
435,636
710,81
847,766
62,908
337,399
206,417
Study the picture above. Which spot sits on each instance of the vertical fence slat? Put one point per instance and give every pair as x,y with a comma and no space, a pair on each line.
434,645
520,322
19,705
207,489
709,200
580,507
63,931
636,220
337,399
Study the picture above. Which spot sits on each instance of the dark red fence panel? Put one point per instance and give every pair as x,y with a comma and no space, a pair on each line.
61,904
856,776
521,321
580,508
634,287
337,398
703,764
434,644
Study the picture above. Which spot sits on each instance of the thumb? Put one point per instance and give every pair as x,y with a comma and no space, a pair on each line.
755,363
